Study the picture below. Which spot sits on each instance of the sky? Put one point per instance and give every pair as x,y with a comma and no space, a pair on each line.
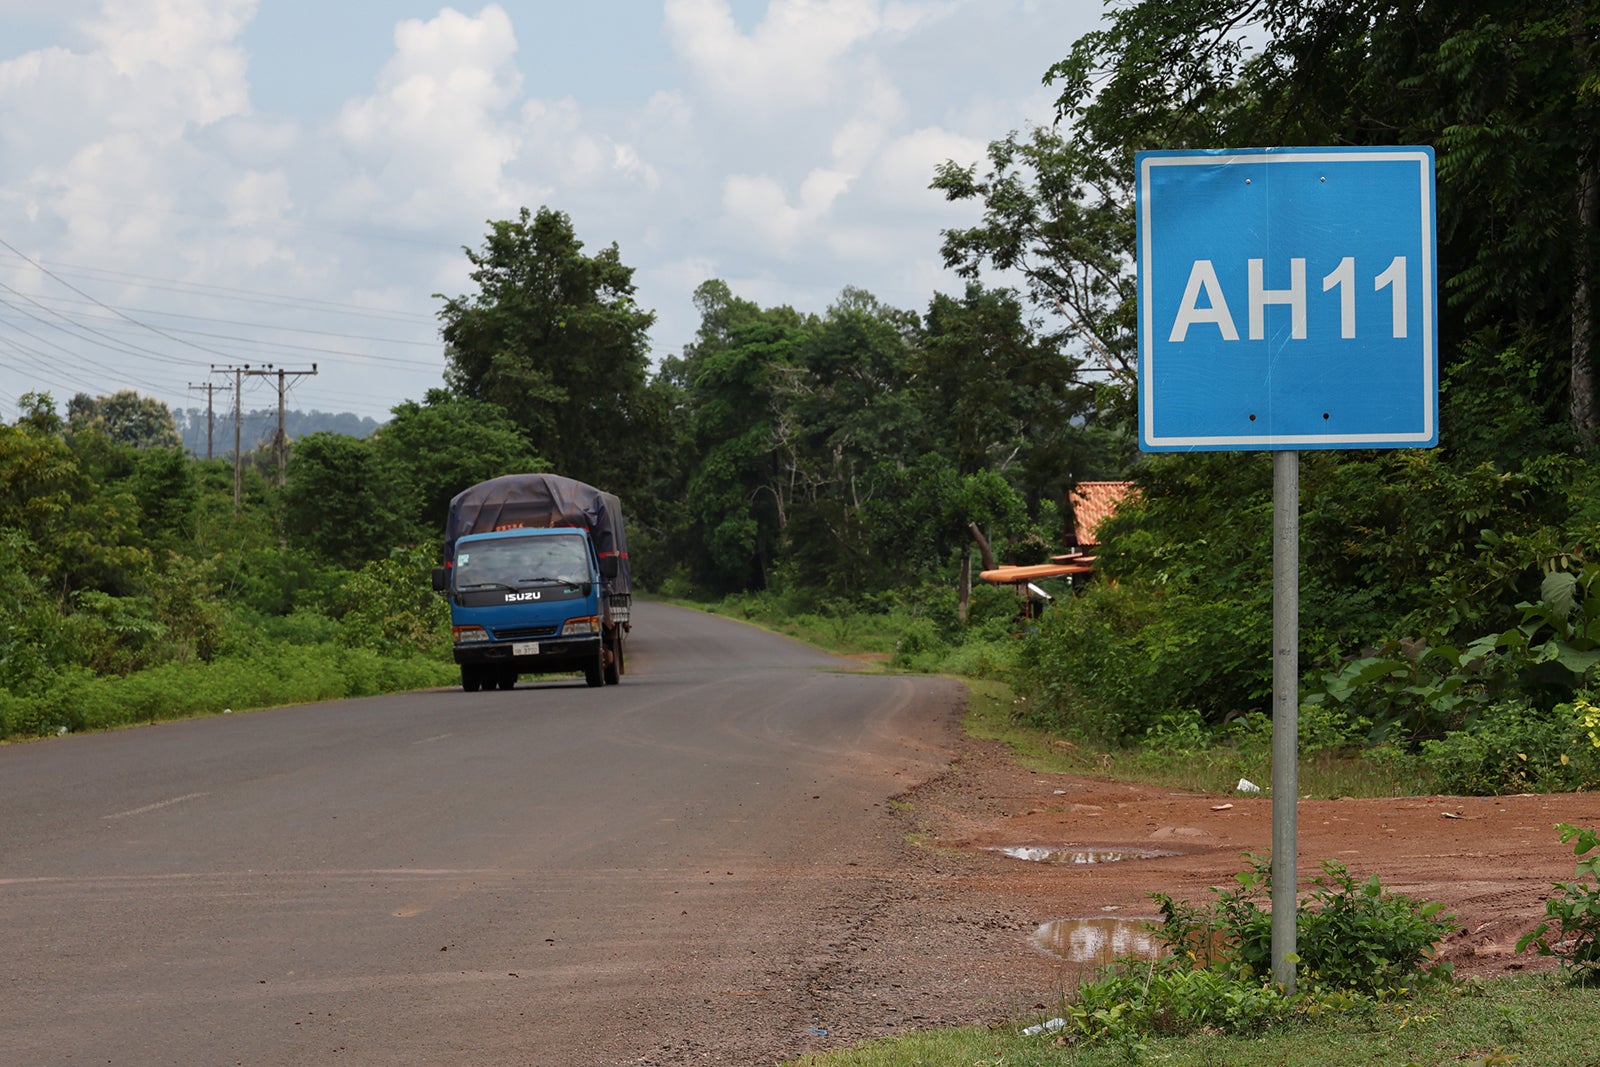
188,185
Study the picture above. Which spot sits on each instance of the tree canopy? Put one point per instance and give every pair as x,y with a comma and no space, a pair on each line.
552,337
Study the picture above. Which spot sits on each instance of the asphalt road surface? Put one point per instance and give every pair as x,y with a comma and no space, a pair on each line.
553,875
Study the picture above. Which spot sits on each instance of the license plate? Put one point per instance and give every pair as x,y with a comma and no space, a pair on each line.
525,648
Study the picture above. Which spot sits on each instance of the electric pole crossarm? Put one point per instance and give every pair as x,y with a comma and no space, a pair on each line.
279,442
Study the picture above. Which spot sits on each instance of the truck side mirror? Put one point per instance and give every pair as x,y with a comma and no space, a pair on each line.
608,567
441,579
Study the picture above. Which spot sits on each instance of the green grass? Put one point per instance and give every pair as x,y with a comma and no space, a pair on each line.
991,711
75,701
1528,1021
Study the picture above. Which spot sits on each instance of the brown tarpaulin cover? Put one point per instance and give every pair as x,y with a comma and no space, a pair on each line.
540,501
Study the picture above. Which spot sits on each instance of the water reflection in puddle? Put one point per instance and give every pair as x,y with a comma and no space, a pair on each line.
1078,853
1097,941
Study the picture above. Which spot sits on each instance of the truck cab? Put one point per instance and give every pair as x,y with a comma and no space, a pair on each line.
530,601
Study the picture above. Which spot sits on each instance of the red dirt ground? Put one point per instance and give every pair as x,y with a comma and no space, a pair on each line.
1490,860
937,929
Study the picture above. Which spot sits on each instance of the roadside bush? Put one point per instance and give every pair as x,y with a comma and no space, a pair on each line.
1357,945
185,602
389,606
1513,747
1575,914
114,634
1414,690
920,647
1350,936
1167,996
1111,663
273,580
983,657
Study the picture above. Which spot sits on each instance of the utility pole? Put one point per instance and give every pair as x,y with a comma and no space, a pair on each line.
238,455
279,441
211,419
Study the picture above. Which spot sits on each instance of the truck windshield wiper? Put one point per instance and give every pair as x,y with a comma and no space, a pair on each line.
485,585
547,578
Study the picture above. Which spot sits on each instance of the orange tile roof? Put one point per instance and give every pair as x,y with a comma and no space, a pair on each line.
1092,504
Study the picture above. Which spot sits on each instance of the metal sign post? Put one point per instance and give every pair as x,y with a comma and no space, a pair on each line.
1287,301
1285,710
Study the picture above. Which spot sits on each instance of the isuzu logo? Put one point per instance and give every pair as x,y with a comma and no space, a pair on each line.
512,598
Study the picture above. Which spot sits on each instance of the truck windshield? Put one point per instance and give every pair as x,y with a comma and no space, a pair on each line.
519,561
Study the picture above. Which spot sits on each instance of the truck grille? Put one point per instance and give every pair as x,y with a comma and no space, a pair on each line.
519,633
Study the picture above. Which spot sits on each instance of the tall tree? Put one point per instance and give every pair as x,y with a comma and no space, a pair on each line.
1060,214
554,339
126,418
851,421
340,502
1003,395
738,495
437,448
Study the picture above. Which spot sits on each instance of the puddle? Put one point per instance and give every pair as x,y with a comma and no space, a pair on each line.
1078,853
1097,941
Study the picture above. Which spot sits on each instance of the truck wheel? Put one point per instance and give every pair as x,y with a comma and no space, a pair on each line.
594,670
614,663
507,678
470,678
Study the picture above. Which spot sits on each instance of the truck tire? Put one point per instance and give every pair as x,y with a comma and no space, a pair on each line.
594,670
507,678
471,680
614,662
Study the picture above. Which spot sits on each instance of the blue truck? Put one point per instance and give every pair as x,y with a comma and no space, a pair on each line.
536,570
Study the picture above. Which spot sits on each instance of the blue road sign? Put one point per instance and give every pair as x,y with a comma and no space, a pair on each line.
1287,299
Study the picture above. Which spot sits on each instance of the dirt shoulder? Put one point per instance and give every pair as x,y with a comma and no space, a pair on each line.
946,934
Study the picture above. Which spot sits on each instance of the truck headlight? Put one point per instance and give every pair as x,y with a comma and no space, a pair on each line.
587,624
463,634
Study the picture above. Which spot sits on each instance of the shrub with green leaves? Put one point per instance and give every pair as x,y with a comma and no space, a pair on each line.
1513,747
1116,660
1571,930
1356,943
389,606
1168,996
1350,936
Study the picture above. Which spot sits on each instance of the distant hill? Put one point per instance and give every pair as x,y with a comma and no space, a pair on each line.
258,427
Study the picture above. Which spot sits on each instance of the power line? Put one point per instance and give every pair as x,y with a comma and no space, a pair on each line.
290,346
62,281
432,342
249,296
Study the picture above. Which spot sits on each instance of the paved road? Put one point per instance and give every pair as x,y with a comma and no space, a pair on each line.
554,875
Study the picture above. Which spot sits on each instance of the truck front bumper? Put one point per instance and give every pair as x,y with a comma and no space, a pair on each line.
548,655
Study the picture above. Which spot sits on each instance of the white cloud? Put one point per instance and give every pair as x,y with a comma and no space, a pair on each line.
178,53
255,197
439,130
625,159
100,142
906,167
790,60
758,206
